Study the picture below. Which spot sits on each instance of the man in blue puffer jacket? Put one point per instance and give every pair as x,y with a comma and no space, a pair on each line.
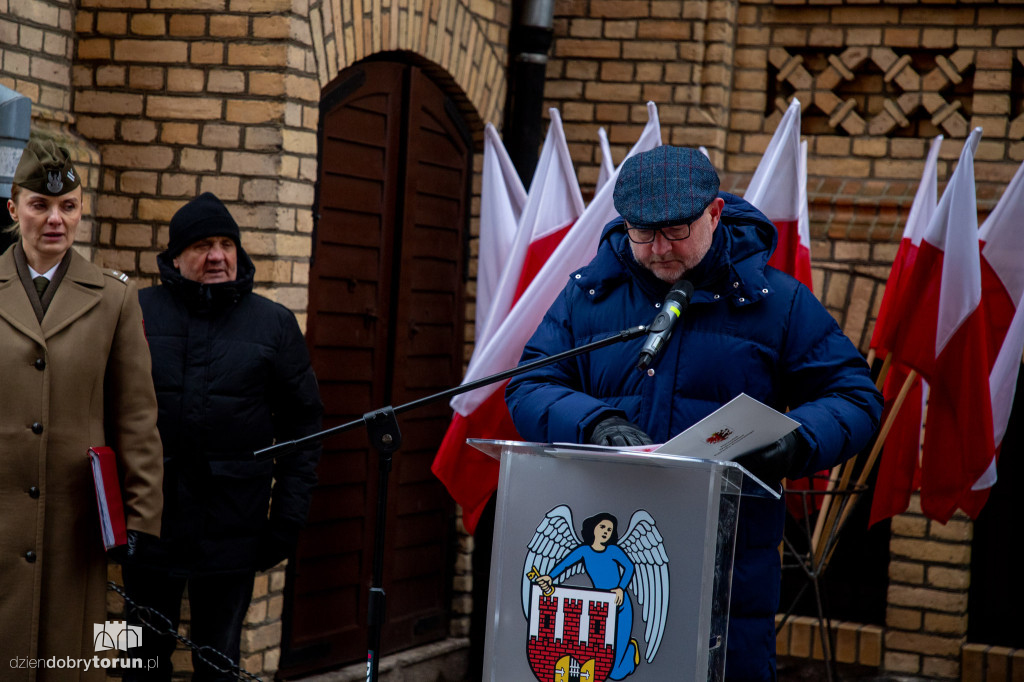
749,329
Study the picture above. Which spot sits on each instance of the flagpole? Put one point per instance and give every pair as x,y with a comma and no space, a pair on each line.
841,470
837,517
883,373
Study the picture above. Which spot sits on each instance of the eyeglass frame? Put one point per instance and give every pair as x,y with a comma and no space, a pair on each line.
630,230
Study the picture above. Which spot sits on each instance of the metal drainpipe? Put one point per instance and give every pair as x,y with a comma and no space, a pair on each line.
529,40
15,121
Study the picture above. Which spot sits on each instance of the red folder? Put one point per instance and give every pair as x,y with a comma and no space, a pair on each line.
108,495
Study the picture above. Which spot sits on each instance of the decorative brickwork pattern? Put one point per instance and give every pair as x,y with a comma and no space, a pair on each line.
876,82
915,90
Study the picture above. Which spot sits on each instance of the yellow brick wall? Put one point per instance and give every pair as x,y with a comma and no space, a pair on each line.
164,99
876,82
160,101
221,99
183,97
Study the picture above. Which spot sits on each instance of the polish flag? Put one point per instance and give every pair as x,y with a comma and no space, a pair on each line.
942,334
553,204
607,165
921,212
779,189
1002,281
502,199
899,472
471,476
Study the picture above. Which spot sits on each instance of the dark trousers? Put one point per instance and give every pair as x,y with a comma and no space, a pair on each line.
217,604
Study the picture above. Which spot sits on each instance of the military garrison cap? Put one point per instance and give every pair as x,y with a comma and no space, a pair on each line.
46,168
665,186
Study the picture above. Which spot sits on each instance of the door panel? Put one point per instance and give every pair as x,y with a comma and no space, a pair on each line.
385,327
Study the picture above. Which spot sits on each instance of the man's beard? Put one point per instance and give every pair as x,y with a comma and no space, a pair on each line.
670,267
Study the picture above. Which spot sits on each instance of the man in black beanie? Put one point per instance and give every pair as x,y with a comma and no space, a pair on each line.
232,376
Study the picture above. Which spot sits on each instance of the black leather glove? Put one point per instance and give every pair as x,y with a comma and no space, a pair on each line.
138,546
618,432
783,458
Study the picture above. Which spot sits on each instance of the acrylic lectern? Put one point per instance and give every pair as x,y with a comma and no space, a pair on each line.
610,563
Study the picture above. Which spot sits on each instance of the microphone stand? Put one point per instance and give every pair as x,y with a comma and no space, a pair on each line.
385,438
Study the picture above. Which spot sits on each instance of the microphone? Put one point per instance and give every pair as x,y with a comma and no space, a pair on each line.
661,329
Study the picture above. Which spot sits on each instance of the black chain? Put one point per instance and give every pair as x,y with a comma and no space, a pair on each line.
163,626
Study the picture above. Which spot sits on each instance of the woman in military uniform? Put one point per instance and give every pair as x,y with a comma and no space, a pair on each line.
74,373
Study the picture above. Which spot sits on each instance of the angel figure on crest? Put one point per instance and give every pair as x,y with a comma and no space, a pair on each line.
636,562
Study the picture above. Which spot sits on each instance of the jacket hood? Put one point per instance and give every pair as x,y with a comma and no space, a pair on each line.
204,298
733,269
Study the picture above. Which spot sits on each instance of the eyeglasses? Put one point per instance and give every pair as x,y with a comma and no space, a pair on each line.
646,235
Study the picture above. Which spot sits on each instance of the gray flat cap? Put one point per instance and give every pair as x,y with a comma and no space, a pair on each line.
665,186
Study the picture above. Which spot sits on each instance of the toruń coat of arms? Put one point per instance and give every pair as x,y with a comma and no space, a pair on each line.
585,634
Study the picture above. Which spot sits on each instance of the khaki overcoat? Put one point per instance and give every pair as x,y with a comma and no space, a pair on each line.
81,378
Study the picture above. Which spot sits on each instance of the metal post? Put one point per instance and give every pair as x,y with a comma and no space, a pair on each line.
529,41
15,121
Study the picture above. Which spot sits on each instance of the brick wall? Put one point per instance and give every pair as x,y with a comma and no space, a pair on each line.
218,99
877,81
609,57
36,52
159,101
929,573
162,99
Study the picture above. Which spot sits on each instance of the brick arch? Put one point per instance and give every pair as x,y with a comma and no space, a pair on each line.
444,37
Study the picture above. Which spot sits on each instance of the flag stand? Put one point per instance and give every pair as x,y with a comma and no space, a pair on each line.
839,499
832,518
385,437
814,568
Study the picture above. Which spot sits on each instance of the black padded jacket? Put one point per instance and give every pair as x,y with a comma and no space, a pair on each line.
232,376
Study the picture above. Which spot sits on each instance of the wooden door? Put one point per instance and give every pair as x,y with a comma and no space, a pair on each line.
385,327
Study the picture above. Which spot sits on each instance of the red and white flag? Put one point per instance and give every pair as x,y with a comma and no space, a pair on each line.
921,212
899,471
1002,280
779,189
471,476
943,335
553,204
502,199
607,165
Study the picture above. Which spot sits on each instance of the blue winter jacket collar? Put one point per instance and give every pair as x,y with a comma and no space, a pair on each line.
733,269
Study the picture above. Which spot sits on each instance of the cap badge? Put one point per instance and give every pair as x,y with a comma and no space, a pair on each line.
53,182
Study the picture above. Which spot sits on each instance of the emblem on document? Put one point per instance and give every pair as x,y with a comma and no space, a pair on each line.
718,436
585,634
